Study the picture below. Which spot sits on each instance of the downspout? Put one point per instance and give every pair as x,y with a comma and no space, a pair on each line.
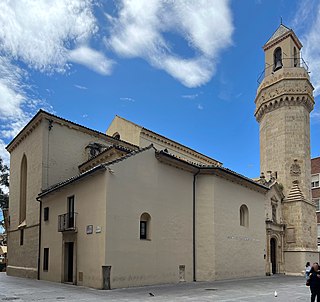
39,243
194,225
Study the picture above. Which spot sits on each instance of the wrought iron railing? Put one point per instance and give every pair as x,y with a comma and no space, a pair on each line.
67,222
285,64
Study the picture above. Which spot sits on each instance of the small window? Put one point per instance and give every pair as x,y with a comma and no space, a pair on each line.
45,259
145,226
315,181
21,236
244,216
46,214
295,57
143,230
274,213
116,135
316,201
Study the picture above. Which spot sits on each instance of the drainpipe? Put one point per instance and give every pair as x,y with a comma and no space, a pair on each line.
194,224
39,243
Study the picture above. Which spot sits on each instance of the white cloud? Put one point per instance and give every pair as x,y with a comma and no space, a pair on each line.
190,96
311,39
92,59
43,35
315,116
127,99
40,33
4,154
11,93
139,31
200,107
81,87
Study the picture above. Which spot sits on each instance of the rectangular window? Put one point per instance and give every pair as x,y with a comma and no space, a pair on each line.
317,204
315,180
45,259
21,236
274,213
143,229
46,214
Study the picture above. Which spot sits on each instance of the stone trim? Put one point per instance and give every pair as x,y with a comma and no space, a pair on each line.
27,227
101,158
29,128
35,121
281,101
179,147
23,268
276,41
287,73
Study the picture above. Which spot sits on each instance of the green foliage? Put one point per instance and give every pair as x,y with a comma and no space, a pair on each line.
4,185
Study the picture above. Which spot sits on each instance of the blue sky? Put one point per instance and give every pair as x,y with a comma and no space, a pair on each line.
185,69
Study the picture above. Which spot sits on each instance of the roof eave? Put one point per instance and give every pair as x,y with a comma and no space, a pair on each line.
71,180
275,41
48,115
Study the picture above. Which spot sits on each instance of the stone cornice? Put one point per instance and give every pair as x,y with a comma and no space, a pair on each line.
281,101
179,147
281,38
275,227
288,88
102,157
296,73
36,120
25,132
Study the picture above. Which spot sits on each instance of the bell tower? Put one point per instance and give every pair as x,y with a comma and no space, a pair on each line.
284,101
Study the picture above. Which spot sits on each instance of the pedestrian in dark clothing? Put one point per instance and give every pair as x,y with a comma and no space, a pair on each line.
314,282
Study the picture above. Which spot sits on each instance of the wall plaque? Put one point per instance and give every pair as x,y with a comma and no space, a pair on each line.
89,229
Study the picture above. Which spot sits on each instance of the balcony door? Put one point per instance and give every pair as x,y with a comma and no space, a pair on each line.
70,216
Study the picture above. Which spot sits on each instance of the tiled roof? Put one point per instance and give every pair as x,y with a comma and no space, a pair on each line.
118,147
281,30
212,167
146,129
41,111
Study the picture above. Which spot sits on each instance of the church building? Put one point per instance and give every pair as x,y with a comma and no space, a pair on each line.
132,207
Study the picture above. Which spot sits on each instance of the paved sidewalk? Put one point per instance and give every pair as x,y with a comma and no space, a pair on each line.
289,289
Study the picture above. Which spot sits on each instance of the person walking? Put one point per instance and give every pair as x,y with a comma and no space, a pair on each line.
314,282
308,268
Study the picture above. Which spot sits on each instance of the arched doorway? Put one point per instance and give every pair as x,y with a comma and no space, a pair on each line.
273,255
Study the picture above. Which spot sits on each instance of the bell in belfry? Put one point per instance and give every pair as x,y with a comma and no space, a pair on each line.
277,59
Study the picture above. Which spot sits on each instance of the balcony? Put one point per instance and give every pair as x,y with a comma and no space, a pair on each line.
286,63
67,222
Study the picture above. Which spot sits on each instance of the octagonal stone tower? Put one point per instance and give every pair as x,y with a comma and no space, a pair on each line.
284,101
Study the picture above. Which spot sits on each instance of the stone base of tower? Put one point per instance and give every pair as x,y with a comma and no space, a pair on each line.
295,261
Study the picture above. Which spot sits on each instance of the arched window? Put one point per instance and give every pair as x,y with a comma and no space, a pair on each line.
244,216
277,59
23,190
145,219
116,135
295,57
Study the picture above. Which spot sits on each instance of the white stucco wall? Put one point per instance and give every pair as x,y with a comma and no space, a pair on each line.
224,248
143,184
90,205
